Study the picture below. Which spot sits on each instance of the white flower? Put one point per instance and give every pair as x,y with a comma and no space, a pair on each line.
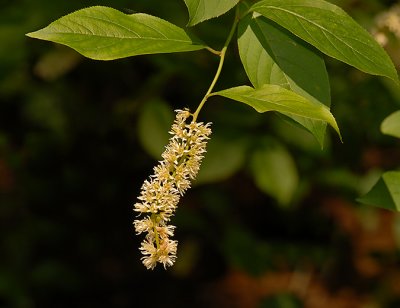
161,193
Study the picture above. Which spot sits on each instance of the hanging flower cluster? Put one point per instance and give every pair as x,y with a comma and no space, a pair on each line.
160,194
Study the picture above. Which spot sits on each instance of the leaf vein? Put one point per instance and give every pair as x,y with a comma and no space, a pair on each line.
323,30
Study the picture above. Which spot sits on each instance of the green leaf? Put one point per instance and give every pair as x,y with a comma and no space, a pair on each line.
277,98
331,30
275,172
272,55
102,33
211,168
385,193
154,122
201,10
391,125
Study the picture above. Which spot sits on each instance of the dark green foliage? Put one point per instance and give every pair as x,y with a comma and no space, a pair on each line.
71,166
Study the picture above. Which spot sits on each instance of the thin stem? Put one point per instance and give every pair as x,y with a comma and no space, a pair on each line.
212,50
221,63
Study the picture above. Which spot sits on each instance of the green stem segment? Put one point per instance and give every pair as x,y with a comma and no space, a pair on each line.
221,63
215,52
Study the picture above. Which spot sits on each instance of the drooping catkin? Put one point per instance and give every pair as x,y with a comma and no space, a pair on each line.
160,194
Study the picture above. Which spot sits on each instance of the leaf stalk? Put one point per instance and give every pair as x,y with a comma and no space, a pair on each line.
221,54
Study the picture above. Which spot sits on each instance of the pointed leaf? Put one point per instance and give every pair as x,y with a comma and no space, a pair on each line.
211,168
276,98
154,122
275,172
102,33
391,125
331,30
385,193
272,55
201,10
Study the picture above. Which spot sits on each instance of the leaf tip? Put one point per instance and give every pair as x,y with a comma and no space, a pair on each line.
332,122
340,136
39,34
31,34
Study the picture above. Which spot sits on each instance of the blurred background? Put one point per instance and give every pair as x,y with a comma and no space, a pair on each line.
272,220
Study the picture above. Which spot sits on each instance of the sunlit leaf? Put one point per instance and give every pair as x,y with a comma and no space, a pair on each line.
385,193
331,30
391,125
201,10
277,98
103,33
272,55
